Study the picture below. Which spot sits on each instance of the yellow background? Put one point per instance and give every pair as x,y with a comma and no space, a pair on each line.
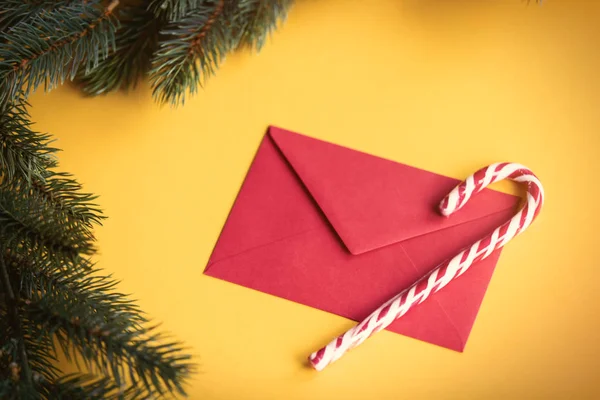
447,86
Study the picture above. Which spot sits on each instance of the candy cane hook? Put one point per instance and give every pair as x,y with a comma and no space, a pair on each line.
450,269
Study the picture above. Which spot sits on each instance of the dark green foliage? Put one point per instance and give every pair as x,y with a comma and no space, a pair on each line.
14,11
136,41
110,342
36,227
173,9
179,44
254,20
23,152
191,49
51,293
80,386
46,49
192,46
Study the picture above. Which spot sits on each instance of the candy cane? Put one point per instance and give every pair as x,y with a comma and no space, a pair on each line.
448,270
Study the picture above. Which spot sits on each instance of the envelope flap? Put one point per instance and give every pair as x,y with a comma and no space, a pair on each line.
372,202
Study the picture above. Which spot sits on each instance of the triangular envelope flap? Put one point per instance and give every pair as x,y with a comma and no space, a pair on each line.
372,202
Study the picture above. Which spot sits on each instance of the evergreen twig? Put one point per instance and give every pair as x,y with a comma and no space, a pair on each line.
46,235
23,152
63,192
89,387
49,48
192,48
15,11
256,19
180,43
37,228
173,9
136,41
150,362
12,307
86,287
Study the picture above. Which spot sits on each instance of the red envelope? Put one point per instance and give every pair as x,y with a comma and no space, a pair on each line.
343,231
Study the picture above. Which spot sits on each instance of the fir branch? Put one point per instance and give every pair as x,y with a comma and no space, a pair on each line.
14,11
42,357
196,43
140,355
256,19
23,152
25,155
136,41
12,386
192,48
51,46
33,227
84,285
89,387
173,9
40,351
64,193
11,303
46,215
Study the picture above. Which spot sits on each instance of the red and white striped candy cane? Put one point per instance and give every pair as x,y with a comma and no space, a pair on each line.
448,270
